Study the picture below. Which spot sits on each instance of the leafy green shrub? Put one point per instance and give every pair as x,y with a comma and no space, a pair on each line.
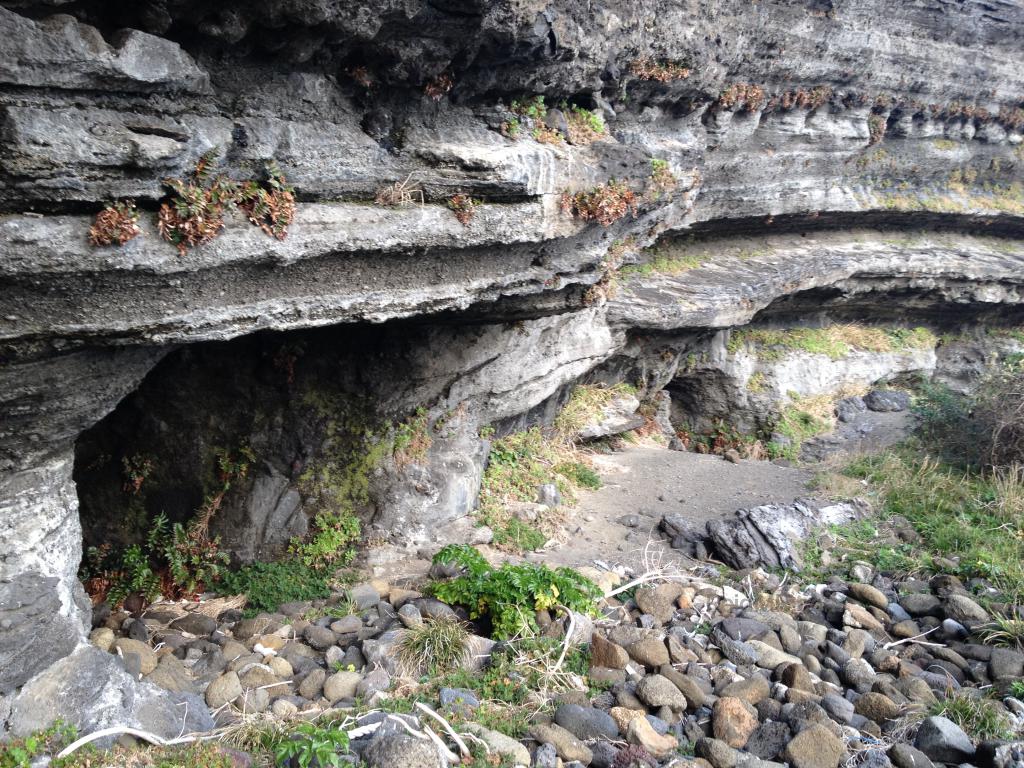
268,585
510,595
434,647
532,108
135,575
314,745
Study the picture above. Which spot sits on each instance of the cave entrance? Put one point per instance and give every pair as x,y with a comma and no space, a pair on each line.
254,438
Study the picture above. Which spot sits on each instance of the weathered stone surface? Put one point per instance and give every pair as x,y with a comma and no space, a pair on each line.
30,609
96,108
733,720
815,747
566,745
92,688
943,740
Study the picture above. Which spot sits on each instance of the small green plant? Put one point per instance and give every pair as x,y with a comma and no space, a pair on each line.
533,108
412,439
662,180
580,474
464,207
511,128
1017,689
116,223
314,745
136,575
510,595
434,647
332,543
797,425
270,205
268,585
980,718
605,204
21,753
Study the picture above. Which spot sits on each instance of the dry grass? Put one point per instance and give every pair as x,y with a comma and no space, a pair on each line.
401,194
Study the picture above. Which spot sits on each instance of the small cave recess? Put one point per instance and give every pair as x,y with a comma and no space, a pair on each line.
259,434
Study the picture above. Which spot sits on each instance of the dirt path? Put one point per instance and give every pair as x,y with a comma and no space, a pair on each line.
642,483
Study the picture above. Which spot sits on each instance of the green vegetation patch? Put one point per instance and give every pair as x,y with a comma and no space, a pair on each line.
661,263
835,342
510,595
268,585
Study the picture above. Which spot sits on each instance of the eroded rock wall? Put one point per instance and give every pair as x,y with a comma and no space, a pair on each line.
794,115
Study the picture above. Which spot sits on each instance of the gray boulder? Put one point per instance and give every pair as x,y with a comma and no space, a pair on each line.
944,741
91,690
886,401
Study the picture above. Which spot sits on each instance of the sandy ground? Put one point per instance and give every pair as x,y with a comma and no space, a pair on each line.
618,523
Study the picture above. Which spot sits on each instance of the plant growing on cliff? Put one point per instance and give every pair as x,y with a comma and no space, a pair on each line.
116,223
412,439
464,207
510,595
135,469
605,204
876,129
269,205
584,126
662,181
746,95
195,212
664,71
438,87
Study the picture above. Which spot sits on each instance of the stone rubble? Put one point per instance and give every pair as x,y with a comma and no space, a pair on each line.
691,672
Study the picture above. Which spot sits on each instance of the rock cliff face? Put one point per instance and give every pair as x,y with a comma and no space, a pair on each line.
848,159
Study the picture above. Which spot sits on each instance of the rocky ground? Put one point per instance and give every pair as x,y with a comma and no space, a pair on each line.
758,664
683,670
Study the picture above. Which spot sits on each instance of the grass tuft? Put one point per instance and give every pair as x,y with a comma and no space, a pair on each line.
435,647
980,718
